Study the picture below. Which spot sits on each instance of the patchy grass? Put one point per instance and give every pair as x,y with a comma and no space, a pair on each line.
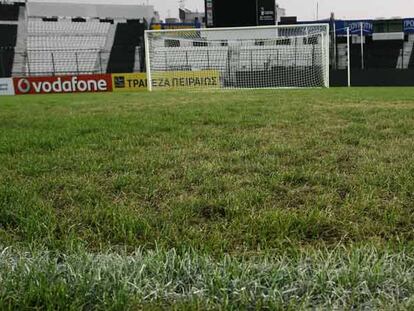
286,173
338,279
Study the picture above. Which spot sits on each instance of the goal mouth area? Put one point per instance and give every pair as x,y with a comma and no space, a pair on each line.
250,58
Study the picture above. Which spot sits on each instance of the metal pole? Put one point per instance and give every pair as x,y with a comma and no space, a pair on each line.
26,55
328,58
2,70
77,63
100,62
313,55
335,51
326,47
148,62
277,23
238,28
348,41
53,64
323,53
276,16
142,59
362,47
317,10
277,59
296,51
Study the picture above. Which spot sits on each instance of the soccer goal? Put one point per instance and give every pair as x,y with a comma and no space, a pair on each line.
294,56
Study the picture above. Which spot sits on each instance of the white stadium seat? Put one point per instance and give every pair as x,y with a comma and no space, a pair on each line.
65,47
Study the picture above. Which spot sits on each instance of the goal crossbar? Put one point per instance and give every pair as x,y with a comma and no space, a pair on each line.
238,28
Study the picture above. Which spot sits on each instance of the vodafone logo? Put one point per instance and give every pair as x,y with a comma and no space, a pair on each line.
23,86
64,84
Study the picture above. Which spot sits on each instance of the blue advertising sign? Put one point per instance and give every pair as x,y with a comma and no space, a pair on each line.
409,25
354,27
340,27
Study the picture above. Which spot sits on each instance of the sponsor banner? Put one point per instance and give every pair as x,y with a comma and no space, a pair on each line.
6,86
167,80
63,84
186,79
409,25
354,27
125,82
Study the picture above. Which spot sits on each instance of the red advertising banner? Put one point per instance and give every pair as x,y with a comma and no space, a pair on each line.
63,84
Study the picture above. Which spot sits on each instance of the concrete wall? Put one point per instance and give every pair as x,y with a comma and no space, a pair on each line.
374,77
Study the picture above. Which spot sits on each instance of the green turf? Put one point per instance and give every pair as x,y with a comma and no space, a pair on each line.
263,177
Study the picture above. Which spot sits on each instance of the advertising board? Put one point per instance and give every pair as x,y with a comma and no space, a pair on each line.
6,86
166,80
354,27
409,25
63,84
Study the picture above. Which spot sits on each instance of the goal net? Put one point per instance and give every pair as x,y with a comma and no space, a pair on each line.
238,58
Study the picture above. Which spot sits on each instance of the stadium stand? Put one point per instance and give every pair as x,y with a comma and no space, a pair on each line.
356,56
411,61
405,53
9,16
64,27
65,47
128,40
117,11
8,38
387,54
383,54
9,12
8,35
77,38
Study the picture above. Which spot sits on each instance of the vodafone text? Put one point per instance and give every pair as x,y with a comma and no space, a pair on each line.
69,84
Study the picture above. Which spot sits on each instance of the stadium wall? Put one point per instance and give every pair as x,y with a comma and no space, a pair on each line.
373,77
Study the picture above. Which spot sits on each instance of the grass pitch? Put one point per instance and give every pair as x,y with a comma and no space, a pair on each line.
287,199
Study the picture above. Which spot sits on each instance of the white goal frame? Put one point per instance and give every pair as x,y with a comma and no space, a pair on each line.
325,38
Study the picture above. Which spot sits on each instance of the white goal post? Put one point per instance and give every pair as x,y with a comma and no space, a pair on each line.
292,56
